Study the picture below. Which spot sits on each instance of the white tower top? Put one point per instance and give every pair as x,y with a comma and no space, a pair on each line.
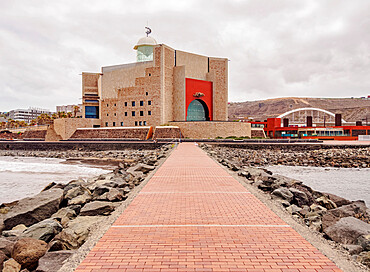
145,46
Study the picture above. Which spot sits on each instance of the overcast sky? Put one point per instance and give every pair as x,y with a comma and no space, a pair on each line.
315,48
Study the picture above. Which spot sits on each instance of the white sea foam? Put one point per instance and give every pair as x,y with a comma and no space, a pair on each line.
25,176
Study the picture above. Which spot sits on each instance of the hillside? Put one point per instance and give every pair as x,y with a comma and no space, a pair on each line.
352,109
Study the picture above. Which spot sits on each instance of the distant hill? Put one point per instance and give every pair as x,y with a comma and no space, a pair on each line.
352,109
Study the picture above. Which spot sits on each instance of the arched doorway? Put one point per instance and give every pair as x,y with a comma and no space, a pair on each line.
197,111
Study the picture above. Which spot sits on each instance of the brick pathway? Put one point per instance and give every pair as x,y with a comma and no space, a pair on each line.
193,216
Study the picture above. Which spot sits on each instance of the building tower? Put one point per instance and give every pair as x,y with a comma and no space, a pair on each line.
144,47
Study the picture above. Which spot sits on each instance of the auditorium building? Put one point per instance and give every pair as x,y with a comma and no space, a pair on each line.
164,87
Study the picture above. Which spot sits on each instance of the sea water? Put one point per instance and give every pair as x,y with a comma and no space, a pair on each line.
22,177
350,183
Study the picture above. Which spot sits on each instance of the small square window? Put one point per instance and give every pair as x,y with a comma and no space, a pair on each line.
141,103
121,124
135,123
144,123
114,104
106,124
133,103
107,105
149,102
107,114
141,113
114,124
125,104
150,74
125,113
140,123
146,93
149,112
115,114
133,113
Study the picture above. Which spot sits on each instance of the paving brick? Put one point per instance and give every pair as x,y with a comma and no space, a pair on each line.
193,216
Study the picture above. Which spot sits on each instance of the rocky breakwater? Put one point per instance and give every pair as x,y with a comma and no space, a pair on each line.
335,218
40,233
304,155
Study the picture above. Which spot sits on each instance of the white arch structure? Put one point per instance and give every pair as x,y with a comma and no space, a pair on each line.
308,109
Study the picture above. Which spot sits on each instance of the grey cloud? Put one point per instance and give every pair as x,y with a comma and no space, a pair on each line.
276,48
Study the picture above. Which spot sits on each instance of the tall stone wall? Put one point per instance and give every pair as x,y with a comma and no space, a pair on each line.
65,127
167,132
139,133
211,130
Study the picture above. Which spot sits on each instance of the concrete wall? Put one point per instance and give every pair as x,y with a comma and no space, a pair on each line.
196,65
65,127
205,130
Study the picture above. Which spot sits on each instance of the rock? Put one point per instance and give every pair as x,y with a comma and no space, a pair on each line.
11,265
347,230
332,216
113,195
76,232
15,231
76,208
6,246
32,210
364,242
3,258
74,183
100,190
317,209
364,258
27,252
53,261
326,202
300,198
304,211
353,249
44,230
339,201
283,202
64,215
97,208
283,193
140,167
80,199
49,186
293,209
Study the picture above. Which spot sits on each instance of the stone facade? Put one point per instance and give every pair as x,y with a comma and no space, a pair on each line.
137,133
153,93
167,132
65,127
211,130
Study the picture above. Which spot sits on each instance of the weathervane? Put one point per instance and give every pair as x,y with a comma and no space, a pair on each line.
148,31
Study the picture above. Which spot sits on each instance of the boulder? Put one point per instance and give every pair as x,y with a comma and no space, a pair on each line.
347,230
112,195
49,186
76,232
353,249
15,231
74,192
140,167
64,215
299,197
11,265
74,183
293,209
44,230
326,202
364,242
32,210
317,209
27,252
53,261
364,258
332,216
339,201
80,199
283,193
6,246
3,258
97,208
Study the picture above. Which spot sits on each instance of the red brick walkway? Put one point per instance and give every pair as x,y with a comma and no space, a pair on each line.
193,216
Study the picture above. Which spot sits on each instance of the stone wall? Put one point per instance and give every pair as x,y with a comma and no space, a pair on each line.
34,135
65,127
167,132
139,133
205,130
258,132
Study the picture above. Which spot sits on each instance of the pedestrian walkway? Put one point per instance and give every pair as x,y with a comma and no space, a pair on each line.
193,216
